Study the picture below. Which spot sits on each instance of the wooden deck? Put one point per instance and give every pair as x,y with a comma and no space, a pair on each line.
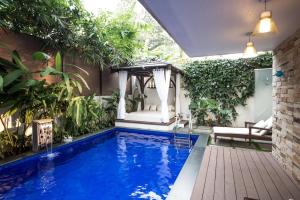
230,174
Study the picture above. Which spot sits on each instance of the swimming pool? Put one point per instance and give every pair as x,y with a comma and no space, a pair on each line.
116,164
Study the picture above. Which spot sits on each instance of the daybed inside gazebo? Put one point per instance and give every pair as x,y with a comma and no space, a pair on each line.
160,117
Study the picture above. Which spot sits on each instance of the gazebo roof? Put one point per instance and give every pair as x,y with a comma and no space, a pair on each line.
145,68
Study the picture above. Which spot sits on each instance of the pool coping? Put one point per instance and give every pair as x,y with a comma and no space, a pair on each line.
184,184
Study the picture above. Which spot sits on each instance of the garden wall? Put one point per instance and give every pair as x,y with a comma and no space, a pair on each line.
100,82
286,105
259,107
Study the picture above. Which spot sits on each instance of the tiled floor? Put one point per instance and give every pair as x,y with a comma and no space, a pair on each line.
228,173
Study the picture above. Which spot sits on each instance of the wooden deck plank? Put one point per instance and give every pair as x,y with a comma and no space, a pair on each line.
249,184
227,173
271,188
201,177
229,180
209,189
292,187
259,185
238,177
274,176
220,175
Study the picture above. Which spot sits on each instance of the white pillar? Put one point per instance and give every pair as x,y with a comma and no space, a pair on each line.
177,97
122,88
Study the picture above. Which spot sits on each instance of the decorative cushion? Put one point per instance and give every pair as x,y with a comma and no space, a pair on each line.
171,108
147,107
152,108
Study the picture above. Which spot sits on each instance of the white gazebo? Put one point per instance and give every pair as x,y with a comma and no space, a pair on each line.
158,117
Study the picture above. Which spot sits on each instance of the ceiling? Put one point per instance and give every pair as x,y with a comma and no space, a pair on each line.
217,27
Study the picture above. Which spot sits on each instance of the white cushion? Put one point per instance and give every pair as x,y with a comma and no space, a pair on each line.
230,130
152,108
146,116
269,122
268,126
147,107
260,124
171,108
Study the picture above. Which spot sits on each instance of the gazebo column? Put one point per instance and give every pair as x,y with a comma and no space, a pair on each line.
142,87
177,97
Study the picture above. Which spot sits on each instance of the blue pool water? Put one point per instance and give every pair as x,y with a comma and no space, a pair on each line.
115,165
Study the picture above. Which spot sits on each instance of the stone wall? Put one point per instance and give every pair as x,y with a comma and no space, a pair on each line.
286,105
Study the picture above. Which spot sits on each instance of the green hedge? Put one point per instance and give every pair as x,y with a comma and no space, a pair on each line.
228,82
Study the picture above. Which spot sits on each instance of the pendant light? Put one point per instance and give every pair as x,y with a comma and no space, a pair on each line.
266,23
250,50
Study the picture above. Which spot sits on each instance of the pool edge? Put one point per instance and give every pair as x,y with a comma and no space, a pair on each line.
186,179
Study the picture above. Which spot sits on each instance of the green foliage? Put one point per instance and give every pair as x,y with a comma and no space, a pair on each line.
121,32
85,115
28,99
67,27
112,106
228,82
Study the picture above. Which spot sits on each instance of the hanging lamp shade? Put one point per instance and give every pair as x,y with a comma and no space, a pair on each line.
250,50
266,23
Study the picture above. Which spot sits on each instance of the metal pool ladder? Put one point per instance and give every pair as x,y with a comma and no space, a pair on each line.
183,139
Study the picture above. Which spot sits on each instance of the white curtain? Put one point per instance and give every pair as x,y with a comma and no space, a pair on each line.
162,82
177,99
122,88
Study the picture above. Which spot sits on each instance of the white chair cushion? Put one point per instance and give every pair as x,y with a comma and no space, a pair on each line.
268,126
230,130
147,107
152,108
260,124
269,122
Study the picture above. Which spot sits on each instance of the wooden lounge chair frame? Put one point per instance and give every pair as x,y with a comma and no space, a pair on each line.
250,136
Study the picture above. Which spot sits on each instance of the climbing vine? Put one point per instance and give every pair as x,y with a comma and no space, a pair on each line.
228,82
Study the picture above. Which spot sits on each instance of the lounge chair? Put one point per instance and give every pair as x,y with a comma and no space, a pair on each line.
250,131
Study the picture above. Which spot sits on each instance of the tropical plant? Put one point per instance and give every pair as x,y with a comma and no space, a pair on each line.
29,99
111,107
85,115
132,102
210,112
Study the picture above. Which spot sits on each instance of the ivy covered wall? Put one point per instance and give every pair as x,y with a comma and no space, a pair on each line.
216,87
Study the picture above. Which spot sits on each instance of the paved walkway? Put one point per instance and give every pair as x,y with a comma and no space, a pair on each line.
230,174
